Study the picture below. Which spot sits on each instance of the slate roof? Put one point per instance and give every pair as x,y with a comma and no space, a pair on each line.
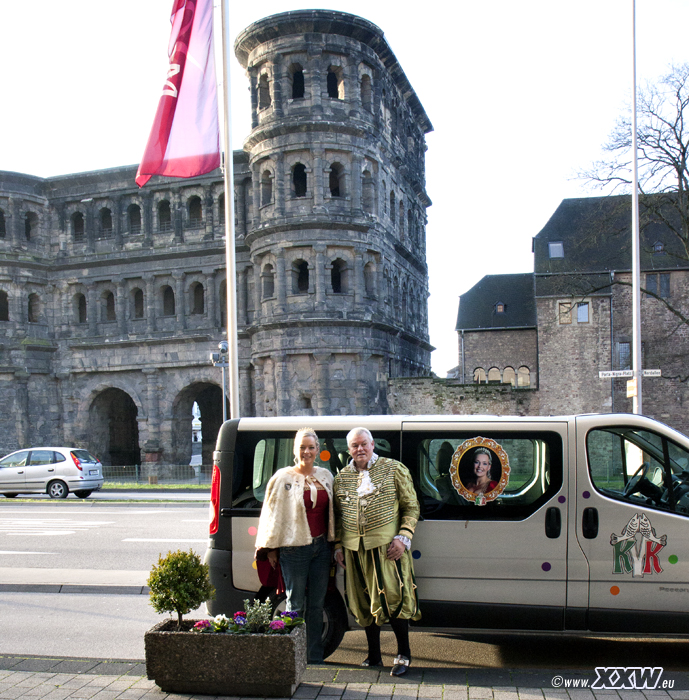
477,306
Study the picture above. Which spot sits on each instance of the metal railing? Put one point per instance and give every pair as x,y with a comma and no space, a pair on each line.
154,473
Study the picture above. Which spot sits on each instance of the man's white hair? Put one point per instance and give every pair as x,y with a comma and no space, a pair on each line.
354,432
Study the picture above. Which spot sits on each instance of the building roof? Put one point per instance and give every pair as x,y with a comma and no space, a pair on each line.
478,307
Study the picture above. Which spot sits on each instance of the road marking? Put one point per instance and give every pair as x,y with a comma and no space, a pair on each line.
48,528
13,552
146,539
205,520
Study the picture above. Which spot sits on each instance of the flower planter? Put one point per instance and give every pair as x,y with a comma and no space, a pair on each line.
267,665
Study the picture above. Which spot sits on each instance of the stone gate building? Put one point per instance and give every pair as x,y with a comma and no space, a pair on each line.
112,298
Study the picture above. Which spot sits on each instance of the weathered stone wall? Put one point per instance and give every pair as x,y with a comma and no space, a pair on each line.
501,349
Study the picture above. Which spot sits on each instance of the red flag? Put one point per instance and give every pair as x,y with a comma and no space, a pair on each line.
184,140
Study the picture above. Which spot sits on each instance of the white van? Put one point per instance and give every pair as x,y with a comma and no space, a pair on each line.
585,528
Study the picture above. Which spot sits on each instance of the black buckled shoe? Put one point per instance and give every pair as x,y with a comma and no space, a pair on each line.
367,662
400,666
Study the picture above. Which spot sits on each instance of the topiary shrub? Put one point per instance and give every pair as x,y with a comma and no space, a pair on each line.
179,583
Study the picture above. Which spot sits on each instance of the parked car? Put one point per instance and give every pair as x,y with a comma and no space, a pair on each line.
584,527
56,471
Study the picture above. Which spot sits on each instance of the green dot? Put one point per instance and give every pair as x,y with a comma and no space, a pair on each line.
673,559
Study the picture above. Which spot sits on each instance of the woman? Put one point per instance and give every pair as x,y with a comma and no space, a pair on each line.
297,524
480,480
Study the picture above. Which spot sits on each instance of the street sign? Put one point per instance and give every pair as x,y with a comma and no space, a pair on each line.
652,373
628,373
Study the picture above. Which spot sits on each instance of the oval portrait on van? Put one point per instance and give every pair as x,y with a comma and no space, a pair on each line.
480,470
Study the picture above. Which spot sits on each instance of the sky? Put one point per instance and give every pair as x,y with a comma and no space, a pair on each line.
521,95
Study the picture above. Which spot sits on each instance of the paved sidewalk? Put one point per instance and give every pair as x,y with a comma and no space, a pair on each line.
110,679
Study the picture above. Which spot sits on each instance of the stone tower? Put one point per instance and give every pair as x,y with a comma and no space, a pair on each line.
112,298
333,216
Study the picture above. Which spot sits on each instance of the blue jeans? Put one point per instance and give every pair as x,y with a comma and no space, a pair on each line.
302,567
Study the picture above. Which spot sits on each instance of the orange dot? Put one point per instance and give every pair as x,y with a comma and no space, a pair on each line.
325,456
615,590
252,531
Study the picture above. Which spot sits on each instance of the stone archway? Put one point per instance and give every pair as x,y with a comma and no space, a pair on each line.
113,428
208,396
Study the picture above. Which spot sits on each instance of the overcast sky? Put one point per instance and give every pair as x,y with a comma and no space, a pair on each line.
520,94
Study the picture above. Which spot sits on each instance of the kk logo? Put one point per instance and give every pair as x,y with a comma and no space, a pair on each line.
637,548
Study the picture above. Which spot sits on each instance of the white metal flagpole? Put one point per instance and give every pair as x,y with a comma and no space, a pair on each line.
229,218
636,292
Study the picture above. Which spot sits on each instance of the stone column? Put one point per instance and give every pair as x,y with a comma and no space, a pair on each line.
322,382
242,316
253,87
177,216
256,193
180,296
90,225
316,82
258,292
320,276
259,386
277,85
280,282
280,184
117,220
147,219
92,309
21,406
317,178
121,302
14,223
269,392
356,198
362,398
359,287
150,304
282,388
245,388
208,212
211,299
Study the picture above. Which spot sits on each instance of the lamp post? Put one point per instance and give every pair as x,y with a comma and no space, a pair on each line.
220,359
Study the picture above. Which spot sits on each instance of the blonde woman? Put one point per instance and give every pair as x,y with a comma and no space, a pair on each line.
296,527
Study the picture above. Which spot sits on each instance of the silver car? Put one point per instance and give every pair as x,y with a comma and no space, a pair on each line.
52,470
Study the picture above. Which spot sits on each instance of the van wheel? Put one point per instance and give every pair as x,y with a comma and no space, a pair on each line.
82,494
11,495
57,489
335,621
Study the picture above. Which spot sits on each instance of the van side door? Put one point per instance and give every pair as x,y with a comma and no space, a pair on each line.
632,523
501,564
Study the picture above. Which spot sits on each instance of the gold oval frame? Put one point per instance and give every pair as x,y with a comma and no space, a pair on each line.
497,450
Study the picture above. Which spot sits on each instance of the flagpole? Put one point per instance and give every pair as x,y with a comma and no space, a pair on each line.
230,257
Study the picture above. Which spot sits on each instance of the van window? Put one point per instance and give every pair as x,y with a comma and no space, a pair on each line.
525,470
639,467
259,455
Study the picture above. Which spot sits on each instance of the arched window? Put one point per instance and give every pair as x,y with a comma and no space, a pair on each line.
479,375
523,376
266,188
300,277
268,278
164,216
30,224
78,226
392,207
197,299
134,218
195,212
338,276
4,306
80,308
335,82
221,209
336,180
410,226
108,313
105,222
299,180
3,229
34,308
401,219
366,92
137,303
168,301
385,198
297,74
368,193
509,376
370,279
494,374
263,92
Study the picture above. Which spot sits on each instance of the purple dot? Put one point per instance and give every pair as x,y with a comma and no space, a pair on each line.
416,554
561,499
545,566
586,494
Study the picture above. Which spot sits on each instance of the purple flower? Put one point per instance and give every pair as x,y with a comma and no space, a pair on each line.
202,625
241,613
292,614
277,625
240,621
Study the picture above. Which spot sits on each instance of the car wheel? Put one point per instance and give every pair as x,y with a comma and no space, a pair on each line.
83,494
11,495
57,489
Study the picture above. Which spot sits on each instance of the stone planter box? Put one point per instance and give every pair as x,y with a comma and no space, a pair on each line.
266,665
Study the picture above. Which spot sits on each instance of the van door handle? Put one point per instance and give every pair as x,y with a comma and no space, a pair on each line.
589,523
553,523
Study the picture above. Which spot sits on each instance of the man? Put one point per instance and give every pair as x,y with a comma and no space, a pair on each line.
377,511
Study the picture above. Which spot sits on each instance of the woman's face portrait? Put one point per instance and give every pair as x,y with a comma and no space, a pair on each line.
307,450
481,465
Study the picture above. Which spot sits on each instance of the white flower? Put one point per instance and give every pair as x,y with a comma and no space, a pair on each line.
366,486
219,619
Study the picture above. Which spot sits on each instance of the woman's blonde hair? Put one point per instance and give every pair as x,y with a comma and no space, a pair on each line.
301,433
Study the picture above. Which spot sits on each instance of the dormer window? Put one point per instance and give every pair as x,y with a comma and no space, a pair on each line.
659,248
556,249
500,308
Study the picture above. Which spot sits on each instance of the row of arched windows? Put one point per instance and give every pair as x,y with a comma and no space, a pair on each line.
521,378
29,225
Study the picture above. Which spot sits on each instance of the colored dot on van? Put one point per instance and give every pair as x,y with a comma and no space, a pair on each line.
416,554
253,565
546,566
252,531
561,499
325,456
586,494
673,559
615,590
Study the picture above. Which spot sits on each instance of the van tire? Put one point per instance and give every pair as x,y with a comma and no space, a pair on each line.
11,495
83,494
335,622
57,489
